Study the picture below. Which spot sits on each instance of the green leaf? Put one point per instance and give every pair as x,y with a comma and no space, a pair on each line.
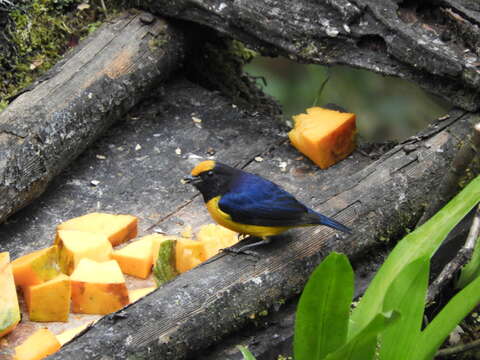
363,345
247,355
406,295
457,308
321,322
421,242
472,269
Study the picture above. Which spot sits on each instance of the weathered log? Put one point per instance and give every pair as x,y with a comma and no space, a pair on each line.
57,117
434,43
378,198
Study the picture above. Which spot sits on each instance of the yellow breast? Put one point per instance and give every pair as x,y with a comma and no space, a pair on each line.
225,220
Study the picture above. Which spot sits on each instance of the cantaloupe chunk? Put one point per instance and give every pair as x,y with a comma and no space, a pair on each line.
76,245
136,258
117,228
188,254
164,258
49,301
38,346
67,335
137,294
324,136
98,287
214,238
36,267
9,309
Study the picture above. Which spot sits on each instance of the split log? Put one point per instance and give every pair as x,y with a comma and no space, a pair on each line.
434,43
56,118
380,199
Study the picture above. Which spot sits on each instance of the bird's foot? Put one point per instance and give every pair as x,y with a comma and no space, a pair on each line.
245,249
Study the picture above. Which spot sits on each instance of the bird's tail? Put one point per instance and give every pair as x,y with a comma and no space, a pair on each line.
325,220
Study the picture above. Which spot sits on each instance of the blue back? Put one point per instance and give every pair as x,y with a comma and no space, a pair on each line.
256,201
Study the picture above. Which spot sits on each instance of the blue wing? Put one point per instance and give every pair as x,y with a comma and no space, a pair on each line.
256,201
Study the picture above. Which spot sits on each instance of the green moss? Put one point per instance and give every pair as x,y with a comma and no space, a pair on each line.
309,50
239,50
263,313
39,33
156,43
216,63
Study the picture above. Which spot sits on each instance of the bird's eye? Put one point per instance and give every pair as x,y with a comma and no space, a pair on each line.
210,173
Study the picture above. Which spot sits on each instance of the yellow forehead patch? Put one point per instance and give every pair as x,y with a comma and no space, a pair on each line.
203,166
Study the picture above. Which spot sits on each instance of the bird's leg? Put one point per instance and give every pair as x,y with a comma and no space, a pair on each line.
244,249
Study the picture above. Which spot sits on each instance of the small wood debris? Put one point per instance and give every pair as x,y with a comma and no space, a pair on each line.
147,18
258,159
100,157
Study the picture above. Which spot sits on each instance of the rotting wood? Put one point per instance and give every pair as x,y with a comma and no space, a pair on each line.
379,199
434,43
57,117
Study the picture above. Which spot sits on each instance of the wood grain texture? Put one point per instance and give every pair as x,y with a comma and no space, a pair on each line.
433,43
57,117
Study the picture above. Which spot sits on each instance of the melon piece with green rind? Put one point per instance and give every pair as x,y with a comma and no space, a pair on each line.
165,268
9,309
36,267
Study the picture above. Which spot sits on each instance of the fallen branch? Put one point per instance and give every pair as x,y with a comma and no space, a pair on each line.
385,36
459,349
462,257
450,183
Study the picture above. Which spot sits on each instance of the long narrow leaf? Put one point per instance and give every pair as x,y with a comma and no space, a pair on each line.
363,345
421,242
321,322
406,295
472,269
247,355
457,308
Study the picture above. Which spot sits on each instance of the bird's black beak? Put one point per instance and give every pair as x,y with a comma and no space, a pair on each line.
191,180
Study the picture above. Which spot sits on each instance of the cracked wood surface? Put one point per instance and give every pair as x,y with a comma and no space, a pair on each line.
435,43
57,117
377,198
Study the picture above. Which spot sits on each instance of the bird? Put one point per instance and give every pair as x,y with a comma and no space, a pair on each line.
250,204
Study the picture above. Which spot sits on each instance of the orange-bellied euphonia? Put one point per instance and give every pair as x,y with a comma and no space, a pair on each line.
249,204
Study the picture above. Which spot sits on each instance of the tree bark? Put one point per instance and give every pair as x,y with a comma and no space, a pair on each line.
434,43
57,117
